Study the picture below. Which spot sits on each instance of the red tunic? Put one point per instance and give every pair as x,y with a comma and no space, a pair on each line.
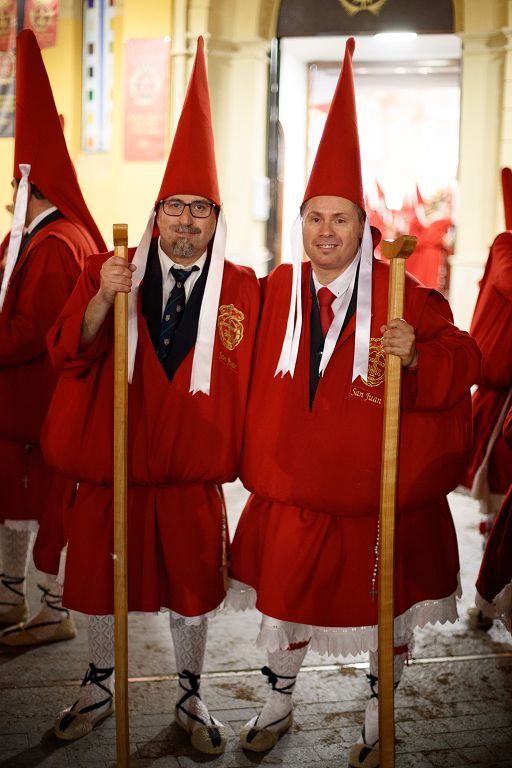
306,538
429,257
181,448
494,583
491,327
41,282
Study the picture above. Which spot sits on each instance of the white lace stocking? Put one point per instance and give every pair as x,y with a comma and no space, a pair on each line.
283,668
371,718
16,548
189,642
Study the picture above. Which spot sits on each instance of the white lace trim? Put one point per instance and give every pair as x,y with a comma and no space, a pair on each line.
341,641
22,525
192,621
240,597
501,606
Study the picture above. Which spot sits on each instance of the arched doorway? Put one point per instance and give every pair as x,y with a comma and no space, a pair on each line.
408,97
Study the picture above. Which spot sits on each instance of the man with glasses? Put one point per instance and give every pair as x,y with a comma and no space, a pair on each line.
190,351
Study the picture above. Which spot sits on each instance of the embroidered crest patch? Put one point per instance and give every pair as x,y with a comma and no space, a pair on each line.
230,325
376,364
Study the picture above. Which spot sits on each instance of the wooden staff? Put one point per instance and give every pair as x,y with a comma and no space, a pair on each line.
120,506
397,252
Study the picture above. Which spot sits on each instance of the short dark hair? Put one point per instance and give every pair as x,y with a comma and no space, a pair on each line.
37,192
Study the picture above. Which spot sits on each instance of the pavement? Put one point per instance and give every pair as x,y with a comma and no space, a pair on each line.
453,707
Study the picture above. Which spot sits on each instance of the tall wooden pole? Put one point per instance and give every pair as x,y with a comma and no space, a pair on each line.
120,507
397,252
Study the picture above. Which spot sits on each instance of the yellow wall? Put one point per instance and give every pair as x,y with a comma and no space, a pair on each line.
115,190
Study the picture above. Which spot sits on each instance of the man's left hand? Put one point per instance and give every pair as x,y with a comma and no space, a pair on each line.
398,339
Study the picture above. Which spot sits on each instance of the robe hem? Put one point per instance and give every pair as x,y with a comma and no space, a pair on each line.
341,641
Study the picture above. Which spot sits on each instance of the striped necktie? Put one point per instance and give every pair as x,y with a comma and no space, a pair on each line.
173,311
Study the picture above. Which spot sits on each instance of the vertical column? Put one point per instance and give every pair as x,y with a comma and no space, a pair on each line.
179,54
505,147
481,118
239,78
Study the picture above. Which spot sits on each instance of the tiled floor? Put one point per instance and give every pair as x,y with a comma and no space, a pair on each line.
453,707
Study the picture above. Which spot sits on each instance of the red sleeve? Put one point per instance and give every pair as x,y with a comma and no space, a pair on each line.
448,360
47,280
68,355
507,429
502,259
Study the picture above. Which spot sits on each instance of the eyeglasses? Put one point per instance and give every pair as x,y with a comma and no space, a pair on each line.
200,209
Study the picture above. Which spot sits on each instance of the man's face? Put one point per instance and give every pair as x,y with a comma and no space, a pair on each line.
184,238
331,232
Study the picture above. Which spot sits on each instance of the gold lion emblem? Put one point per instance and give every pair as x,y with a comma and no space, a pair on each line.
376,364
231,329
356,6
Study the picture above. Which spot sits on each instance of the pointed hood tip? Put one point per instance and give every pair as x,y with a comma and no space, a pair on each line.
337,167
39,138
506,187
197,174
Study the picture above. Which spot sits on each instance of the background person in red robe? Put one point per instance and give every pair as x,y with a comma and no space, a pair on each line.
494,583
52,234
195,321
489,471
307,541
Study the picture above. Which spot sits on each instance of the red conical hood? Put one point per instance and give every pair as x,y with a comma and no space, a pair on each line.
39,140
506,186
419,196
337,166
191,168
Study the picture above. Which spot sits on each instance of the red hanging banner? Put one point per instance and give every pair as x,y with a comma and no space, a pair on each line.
41,16
146,86
7,25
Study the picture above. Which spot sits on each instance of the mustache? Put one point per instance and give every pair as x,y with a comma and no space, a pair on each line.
187,228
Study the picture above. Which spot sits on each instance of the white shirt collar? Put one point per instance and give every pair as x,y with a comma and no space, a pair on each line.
341,283
166,263
33,224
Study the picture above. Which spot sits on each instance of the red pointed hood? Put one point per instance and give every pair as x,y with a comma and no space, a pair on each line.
337,167
39,140
506,186
191,168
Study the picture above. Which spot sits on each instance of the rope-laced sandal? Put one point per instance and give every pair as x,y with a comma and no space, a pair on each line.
36,632
207,737
259,739
18,611
75,721
366,755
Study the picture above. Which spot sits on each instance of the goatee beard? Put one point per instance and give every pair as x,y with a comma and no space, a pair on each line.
183,248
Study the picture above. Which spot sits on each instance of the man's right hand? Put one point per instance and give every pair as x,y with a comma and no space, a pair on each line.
116,277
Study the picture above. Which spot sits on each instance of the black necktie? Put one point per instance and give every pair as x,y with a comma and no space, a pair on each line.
173,311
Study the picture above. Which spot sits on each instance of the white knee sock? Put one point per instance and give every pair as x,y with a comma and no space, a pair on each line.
189,642
16,548
283,668
370,736
51,598
101,665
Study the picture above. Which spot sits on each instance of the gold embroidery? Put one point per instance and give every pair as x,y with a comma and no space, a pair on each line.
376,364
231,329
355,6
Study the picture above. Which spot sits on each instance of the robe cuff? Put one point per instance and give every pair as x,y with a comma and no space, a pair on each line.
78,350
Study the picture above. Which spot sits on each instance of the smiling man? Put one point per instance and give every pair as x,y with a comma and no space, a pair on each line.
191,333
308,541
